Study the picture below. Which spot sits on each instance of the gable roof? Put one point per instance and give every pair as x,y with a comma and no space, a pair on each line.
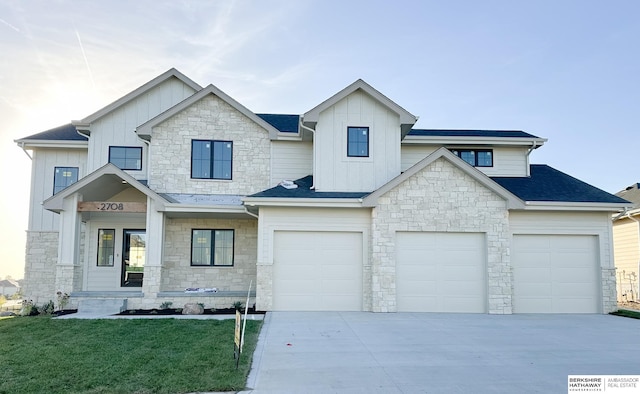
631,194
444,153
406,118
145,130
547,184
107,177
171,73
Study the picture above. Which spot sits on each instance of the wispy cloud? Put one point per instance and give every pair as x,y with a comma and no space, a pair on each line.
9,25
86,61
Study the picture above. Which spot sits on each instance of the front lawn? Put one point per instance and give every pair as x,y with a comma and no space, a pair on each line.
40,354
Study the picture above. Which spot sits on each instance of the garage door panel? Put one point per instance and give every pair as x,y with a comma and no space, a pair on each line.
555,274
440,272
330,277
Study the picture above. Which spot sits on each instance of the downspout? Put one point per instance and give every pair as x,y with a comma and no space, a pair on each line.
533,147
246,210
638,229
313,186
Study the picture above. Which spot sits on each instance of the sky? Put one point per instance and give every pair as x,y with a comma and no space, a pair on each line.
568,71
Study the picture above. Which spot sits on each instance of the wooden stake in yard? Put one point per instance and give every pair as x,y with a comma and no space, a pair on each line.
246,308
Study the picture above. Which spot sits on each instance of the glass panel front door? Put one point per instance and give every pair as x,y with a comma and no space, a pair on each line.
133,255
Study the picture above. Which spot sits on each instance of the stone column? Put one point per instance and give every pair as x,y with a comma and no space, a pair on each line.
153,253
68,246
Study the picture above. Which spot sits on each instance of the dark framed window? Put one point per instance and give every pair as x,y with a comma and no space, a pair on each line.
475,157
126,157
210,247
358,141
64,177
211,159
106,247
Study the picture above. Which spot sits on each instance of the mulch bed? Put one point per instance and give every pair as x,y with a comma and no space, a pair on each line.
178,311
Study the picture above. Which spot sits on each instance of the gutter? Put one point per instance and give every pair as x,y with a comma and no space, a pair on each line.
534,145
21,145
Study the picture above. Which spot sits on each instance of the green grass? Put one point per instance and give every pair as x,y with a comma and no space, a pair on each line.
40,354
627,313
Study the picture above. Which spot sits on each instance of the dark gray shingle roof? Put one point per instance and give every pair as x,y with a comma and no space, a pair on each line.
549,184
304,191
471,133
283,123
61,133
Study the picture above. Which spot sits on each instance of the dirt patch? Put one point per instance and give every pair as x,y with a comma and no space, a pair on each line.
629,305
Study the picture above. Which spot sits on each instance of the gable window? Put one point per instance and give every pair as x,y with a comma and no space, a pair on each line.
476,157
357,141
212,247
211,159
106,247
126,157
63,177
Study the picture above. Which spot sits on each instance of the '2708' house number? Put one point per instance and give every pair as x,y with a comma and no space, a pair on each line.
110,206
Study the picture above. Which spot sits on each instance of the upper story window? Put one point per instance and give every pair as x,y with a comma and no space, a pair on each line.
358,141
211,159
211,247
475,157
126,157
63,177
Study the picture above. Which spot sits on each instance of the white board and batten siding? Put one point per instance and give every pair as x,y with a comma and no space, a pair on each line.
333,169
290,160
42,175
441,272
507,161
117,128
557,261
317,256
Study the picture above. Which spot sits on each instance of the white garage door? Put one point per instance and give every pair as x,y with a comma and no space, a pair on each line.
555,274
317,271
440,272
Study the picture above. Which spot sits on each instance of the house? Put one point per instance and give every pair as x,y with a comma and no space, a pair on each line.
626,240
345,207
9,287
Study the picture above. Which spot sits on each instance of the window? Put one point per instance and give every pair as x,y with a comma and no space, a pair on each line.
106,247
63,177
211,159
475,157
212,247
358,141
126,157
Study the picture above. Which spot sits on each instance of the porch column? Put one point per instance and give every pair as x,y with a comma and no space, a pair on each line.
68,267
153,252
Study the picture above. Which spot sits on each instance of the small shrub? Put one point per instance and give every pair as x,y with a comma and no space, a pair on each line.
201,304
63,300
179,310
28,308
238,306
47,308
166,305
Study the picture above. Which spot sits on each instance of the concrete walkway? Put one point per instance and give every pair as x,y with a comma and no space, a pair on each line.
361,352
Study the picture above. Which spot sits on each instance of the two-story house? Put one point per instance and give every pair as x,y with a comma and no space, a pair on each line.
345,207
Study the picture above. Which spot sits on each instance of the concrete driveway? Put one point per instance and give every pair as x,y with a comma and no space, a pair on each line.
361,352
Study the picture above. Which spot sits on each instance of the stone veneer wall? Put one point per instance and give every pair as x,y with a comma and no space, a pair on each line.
177,272
441,198
209,119
40,266
609,290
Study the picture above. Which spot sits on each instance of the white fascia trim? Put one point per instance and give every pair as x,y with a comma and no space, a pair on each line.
288,137
573,206
305,202
30,144
420,139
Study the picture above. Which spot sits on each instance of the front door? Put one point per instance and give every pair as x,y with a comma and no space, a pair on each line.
133,255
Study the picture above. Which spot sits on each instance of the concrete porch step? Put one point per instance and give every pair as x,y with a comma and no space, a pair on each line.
106,306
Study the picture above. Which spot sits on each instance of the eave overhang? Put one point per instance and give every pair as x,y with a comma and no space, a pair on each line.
461,141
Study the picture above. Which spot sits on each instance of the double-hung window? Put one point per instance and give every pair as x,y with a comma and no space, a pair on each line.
211,247
357,141
211,159
126,157
475,157
63,177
